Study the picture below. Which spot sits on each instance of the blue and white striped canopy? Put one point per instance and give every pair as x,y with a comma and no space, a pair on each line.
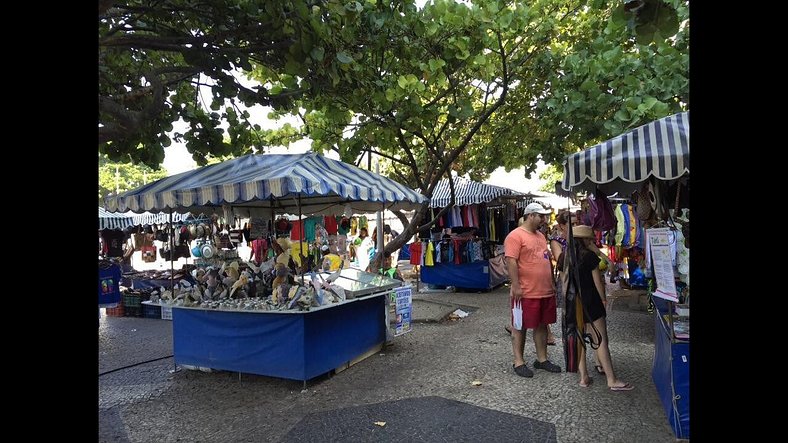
254,180
659,149
148,218
117,220
109,220
467,192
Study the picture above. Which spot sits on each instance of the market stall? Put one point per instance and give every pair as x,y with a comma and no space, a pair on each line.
292,344
654,160
264,186
471,255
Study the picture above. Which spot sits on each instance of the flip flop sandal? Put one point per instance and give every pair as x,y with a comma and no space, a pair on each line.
551,343
599,369
625,387
589,383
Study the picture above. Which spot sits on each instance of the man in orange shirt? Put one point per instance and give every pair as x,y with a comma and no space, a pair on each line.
528,264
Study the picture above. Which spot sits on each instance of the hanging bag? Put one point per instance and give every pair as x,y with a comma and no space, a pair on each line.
148,253
600,210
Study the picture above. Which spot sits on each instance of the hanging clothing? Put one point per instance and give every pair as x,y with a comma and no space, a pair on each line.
331,224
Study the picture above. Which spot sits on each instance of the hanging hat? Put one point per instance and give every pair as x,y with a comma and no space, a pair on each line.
325,248
582,231
207,251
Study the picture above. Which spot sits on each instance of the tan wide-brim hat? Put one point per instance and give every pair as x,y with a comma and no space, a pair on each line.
582,231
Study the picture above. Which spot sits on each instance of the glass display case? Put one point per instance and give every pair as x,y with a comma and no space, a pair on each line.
357,283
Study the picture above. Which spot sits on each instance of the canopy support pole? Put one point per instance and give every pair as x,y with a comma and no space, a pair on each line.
172,275
301,239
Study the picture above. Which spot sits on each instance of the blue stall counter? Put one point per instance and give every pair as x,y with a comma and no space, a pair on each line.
296,345
670,372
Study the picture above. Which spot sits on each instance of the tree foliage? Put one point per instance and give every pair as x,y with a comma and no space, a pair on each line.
472,88
454,86
154,54
121,177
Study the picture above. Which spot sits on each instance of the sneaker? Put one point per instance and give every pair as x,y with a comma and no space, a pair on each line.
523,371
547,365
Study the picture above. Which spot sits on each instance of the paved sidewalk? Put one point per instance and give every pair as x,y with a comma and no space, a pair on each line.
421,387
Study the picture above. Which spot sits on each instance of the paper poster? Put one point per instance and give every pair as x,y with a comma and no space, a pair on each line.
662,259
403,306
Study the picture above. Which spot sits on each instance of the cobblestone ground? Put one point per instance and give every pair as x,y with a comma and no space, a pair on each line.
151,402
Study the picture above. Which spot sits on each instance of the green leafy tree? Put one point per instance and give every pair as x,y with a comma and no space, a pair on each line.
472,88
121,177
552,174
451,86
154,54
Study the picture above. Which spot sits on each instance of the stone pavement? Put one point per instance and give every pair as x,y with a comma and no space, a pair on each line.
421,387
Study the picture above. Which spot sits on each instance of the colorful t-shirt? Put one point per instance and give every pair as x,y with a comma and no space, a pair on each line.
533,262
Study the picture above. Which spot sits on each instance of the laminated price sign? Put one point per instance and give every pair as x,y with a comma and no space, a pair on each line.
660,242
403,306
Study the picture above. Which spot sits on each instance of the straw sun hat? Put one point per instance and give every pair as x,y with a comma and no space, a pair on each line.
582,231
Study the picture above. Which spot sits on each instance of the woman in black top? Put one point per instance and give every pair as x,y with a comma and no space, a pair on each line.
592,290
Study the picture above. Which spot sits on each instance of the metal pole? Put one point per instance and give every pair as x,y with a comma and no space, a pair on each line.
301,240
379,256
172,277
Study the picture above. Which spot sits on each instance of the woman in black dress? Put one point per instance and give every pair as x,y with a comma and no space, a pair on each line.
592,295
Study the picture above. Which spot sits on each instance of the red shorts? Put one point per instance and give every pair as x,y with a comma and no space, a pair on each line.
536,311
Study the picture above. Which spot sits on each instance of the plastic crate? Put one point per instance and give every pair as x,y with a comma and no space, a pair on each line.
133,311
151,311
116,311
132,301
166,312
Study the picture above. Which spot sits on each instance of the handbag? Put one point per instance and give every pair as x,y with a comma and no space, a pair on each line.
148,253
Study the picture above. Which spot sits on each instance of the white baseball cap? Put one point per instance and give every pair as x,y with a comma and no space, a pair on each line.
535,208
324,248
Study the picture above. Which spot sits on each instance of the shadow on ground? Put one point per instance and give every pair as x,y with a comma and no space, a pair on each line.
423,419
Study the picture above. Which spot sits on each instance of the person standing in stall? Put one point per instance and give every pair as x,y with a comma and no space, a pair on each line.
259,250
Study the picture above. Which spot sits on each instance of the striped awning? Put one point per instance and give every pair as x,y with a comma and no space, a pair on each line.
109,220
118,220
659,149
148,218
468,192
255,180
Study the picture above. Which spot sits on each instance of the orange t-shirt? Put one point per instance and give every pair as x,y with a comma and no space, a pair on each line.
533,262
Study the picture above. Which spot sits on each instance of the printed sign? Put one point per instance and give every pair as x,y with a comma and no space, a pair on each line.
403,308
659,240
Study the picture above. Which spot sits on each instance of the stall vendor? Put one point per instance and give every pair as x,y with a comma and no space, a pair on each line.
331,261
388,270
